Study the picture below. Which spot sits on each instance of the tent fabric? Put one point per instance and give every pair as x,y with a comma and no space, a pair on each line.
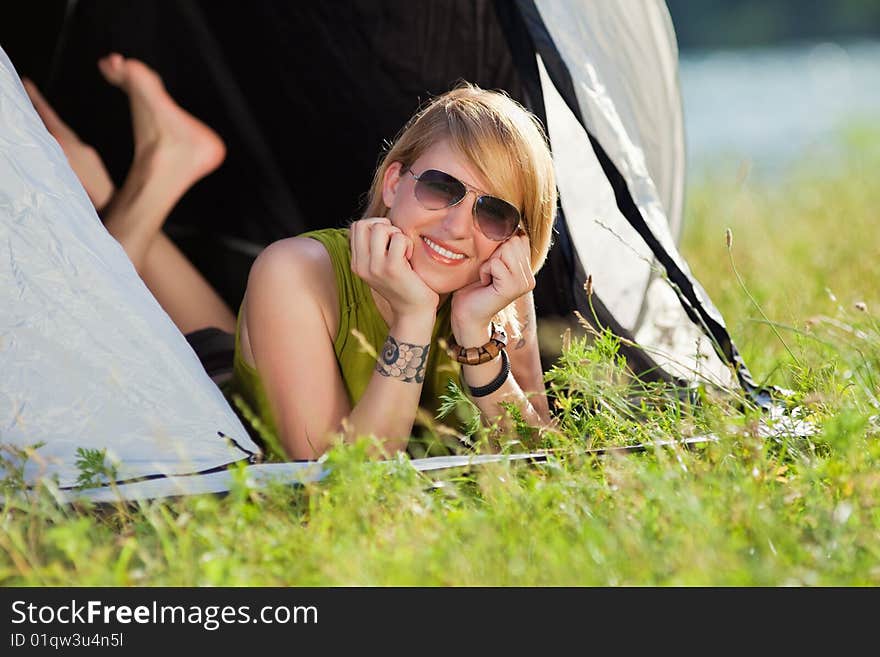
637,199
628,95
88,357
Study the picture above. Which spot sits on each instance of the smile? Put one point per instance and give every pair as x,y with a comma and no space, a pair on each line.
445,254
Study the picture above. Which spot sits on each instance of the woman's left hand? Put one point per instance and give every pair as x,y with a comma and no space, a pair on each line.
504,277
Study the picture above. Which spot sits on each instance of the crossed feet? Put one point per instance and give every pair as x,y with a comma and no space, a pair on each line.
169,142
172,151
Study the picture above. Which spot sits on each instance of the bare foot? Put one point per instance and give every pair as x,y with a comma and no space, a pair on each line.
83,159
173,139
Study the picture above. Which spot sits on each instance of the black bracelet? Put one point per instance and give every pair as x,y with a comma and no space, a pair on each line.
497,382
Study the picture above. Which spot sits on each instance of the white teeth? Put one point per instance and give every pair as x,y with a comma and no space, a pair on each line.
446,253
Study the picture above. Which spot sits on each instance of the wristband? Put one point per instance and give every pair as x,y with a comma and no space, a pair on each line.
497,382
478,355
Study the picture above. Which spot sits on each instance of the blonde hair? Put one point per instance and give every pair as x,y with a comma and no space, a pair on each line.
502,140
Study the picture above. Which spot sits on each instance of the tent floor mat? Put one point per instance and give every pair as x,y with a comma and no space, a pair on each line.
298,473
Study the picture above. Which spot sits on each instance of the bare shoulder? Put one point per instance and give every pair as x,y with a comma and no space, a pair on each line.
294,255
294,261
293,275
290,311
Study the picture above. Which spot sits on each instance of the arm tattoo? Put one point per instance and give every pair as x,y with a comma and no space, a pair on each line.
526,325
404,361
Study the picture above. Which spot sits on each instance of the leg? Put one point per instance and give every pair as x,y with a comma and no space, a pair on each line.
83,159
182,291
172,151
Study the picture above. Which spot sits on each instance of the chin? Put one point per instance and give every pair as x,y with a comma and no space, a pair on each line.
442,287
442,284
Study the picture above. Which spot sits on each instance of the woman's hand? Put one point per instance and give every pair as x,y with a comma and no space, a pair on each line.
504,277
380,255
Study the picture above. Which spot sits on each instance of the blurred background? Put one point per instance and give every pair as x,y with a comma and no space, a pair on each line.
768,82
781,103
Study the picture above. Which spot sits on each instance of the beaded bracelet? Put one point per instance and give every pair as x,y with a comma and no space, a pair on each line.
478,355
497,382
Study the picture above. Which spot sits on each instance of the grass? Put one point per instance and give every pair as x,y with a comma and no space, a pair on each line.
744,510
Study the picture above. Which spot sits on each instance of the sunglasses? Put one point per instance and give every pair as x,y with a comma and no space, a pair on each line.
496,218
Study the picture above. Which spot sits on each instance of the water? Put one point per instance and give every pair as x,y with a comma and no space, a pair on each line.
769,107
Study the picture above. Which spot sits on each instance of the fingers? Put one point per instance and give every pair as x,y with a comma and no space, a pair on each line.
378,248
518,245
399,248
498,270
56,127
359,239
515,255
486,273
380,239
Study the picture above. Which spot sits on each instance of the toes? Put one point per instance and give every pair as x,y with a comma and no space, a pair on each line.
130,74
112,67
141,75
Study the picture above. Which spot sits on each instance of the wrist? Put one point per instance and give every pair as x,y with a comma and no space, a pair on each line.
481,381
478,355
472,334
413,327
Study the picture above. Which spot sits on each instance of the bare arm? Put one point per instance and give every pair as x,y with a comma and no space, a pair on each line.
287,335
525,357
515,388
505,278
388,406
291,341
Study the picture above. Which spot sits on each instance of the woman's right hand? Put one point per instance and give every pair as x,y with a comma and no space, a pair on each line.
380,255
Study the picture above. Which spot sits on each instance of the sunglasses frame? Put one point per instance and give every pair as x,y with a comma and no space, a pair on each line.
478,194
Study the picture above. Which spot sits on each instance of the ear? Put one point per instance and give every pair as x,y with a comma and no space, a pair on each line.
391,182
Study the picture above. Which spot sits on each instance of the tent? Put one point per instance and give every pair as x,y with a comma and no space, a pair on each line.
90,360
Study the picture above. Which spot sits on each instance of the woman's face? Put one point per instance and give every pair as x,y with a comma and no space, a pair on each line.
452,229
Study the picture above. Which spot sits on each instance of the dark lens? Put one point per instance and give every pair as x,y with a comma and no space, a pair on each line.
437,190
496,218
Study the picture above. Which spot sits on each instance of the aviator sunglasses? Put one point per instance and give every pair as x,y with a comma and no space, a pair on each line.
496,218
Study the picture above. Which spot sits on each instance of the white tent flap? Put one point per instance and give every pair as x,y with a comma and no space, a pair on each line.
88,359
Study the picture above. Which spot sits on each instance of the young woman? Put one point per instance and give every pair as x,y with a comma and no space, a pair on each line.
458,221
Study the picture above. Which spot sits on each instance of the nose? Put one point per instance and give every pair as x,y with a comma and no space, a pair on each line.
459,219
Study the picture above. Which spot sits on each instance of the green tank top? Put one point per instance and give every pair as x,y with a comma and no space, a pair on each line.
357,311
